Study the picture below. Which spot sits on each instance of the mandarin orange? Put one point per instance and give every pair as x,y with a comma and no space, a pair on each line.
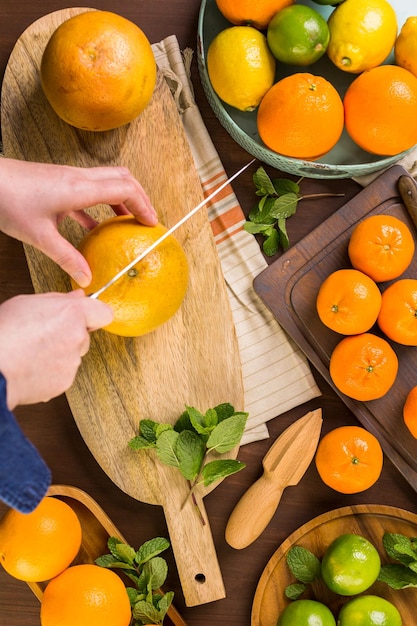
381,110
257,13
301,116
349,459
398,315
410,411
363,367
381,246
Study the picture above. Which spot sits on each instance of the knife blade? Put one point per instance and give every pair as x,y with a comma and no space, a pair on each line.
169,232
284,465
408,191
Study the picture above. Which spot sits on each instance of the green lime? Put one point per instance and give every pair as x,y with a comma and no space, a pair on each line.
298,35
350,565
369,611
306,613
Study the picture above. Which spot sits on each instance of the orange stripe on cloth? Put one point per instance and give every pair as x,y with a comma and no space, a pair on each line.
228,235
213,183
226,221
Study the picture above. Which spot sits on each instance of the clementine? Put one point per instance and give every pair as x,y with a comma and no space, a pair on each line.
301,116
380,110
398,315
410,411
86,595
98,71
349,459
381,246
348,302
151,292
363,367
39,545
257,13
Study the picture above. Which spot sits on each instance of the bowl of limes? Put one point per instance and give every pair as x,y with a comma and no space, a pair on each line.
257,106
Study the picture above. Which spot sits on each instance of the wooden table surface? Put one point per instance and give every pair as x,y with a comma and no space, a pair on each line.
51,426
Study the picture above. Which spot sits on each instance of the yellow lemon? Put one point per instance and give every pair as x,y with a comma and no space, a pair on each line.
240,66
362,34
405,48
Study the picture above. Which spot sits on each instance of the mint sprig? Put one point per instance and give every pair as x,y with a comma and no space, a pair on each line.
403,573
279,200
305,567
148,571
194,436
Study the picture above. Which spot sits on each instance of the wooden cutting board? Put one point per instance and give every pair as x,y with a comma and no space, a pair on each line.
289,289
370,521
193,359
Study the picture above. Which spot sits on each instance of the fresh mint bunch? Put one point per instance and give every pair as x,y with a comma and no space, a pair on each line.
279,199
148,571
195,435
305,567
403,550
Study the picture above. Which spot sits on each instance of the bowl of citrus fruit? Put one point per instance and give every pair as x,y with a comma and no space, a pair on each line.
318,88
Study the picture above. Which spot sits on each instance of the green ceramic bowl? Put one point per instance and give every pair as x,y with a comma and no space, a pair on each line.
346,159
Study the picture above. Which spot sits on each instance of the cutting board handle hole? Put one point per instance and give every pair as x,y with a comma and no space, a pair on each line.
200,578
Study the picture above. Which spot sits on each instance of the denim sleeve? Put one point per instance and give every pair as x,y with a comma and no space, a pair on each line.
24,476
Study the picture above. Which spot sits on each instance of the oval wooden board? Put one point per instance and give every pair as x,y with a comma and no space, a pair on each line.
191,360
370,521
96,527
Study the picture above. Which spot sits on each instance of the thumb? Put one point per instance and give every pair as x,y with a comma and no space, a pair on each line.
68,258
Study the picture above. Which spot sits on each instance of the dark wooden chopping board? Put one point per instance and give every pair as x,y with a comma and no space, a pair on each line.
289,288
194,358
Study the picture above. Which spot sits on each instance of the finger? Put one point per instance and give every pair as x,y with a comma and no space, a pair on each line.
85,346
84,219
97,314
67,257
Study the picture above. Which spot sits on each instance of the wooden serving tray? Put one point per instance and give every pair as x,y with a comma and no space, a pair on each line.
370,521
289,288
96,527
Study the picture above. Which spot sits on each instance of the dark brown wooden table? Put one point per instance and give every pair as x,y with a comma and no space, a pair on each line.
51,426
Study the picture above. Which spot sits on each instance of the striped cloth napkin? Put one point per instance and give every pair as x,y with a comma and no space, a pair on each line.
276,375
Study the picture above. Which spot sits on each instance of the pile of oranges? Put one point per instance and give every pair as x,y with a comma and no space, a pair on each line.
42,546
303,115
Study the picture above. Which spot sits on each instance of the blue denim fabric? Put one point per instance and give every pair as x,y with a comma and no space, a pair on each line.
24,476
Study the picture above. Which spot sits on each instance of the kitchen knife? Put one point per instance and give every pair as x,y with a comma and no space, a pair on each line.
169,232
408,191
284,464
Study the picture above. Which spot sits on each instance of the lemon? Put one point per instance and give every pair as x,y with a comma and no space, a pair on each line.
240,66
362,34
405,48
298,35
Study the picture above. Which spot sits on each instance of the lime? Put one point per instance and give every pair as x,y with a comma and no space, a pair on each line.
350,565
240,66
298,35
369,611
306,613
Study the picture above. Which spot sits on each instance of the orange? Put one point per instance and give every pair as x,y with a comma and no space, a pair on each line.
151,292
381,110
410,411
257,13
405,49
98,71
363,367
301,116
381,246
86,595
349,459
348,302
37,546
398,315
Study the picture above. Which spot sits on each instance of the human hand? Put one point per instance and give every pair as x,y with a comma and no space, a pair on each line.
35,198
43,338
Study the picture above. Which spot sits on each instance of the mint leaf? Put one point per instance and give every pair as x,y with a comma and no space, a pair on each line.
294,591
271,244
285,185
228,433
146,612
224,411
397,576
147,429
303,564
255,228
165,447
399,547
215,470
282,233
263,183
156,571
190,450
198,420
284,206
150,549
140,443
263,212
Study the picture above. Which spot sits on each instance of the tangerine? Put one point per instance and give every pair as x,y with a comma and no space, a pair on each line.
410,411
152,291
405,48
381,246
86,595
380,110
398,315
37,546
363,367
348,302
301,116
256,13
98,71
349,459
